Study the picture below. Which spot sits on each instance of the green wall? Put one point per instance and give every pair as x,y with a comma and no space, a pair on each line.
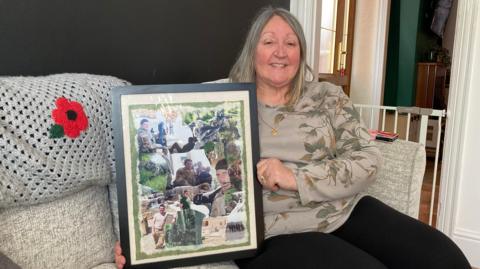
402,53
391,75
409,40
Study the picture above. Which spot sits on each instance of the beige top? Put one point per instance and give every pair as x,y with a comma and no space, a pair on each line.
323,141
159,221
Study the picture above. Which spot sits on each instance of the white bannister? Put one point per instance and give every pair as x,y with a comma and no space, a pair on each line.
425,115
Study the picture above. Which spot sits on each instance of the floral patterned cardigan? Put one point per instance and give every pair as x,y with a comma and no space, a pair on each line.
323,141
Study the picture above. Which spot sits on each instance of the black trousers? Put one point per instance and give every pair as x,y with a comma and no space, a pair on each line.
375,236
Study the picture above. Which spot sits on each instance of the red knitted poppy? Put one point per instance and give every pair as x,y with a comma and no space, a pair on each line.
70,115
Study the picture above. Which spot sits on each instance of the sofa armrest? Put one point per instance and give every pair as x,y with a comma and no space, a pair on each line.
399,181
70,232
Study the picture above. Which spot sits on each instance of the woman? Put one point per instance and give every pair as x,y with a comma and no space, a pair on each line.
316,160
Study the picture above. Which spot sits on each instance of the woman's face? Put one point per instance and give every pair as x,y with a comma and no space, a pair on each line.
277,56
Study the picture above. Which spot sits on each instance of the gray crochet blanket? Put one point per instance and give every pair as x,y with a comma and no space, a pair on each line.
36,168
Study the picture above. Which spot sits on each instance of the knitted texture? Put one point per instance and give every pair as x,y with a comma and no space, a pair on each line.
35,168
399,181
72,232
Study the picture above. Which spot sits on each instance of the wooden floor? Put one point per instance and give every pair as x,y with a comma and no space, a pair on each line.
425,197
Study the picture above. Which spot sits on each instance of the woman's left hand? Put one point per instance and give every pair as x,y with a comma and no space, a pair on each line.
119,258
273,175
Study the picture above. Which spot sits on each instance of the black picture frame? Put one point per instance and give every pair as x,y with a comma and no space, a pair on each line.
219,120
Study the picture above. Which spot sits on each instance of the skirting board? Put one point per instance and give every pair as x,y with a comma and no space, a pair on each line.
470,245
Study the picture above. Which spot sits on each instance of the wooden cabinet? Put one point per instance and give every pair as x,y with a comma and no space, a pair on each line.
431,86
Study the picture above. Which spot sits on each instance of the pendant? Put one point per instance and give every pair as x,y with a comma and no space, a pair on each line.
274,131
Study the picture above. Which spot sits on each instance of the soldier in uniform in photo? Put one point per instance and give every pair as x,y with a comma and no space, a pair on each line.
224,201
185,176
145,139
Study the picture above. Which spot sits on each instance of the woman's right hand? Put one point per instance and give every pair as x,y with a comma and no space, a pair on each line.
274,175
119,258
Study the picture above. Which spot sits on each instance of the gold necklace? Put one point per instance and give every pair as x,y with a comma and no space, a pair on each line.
274,130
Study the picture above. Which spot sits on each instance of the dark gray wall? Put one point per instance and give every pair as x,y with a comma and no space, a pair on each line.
142,41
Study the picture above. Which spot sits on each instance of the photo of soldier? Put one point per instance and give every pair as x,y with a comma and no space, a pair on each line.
185,176
158,227
183,200
224,201
175,148
145,139
235,174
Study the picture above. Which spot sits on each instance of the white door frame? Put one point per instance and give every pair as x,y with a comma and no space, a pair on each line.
309,13
456,115
380,58
457,177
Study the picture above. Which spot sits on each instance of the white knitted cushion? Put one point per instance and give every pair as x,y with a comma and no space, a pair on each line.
35,168
71,232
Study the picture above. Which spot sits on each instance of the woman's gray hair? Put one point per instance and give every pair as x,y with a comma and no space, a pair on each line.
244,68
